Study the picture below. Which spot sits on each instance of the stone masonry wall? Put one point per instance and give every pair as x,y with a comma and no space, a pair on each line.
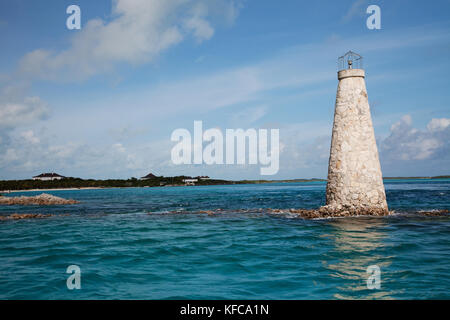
354,172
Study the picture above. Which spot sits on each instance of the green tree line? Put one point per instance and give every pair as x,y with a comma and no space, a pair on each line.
110,183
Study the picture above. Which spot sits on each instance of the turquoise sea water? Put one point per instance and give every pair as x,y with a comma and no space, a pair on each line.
129,246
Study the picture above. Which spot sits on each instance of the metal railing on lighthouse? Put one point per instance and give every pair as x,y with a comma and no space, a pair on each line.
350,60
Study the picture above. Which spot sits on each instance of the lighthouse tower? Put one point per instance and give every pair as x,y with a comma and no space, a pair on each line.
355,181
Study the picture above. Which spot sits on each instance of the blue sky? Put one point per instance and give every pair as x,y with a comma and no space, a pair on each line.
102,101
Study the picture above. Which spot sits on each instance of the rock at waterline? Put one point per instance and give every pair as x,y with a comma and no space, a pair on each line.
42,199
20,216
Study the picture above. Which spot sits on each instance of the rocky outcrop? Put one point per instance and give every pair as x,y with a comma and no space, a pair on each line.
351,211
435,213
18,216
42,200
333,212
320,213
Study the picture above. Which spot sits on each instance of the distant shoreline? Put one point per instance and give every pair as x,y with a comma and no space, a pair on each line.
55,189
201,183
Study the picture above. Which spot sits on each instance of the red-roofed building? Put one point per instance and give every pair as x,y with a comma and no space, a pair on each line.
150,176
48,177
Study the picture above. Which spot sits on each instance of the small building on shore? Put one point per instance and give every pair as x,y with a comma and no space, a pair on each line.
190,182
48,177
150,176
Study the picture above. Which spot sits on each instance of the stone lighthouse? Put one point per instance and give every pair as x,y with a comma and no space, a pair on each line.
355,183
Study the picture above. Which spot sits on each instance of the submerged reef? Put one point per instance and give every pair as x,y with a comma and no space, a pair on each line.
42,200
320,213
19,216
435,213
335,212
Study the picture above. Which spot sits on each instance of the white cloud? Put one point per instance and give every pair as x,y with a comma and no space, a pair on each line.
10,155
14,114
29,137
119,148
197,23
355,9
138,32
405,121
248,116
408,143
200,27
438,124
